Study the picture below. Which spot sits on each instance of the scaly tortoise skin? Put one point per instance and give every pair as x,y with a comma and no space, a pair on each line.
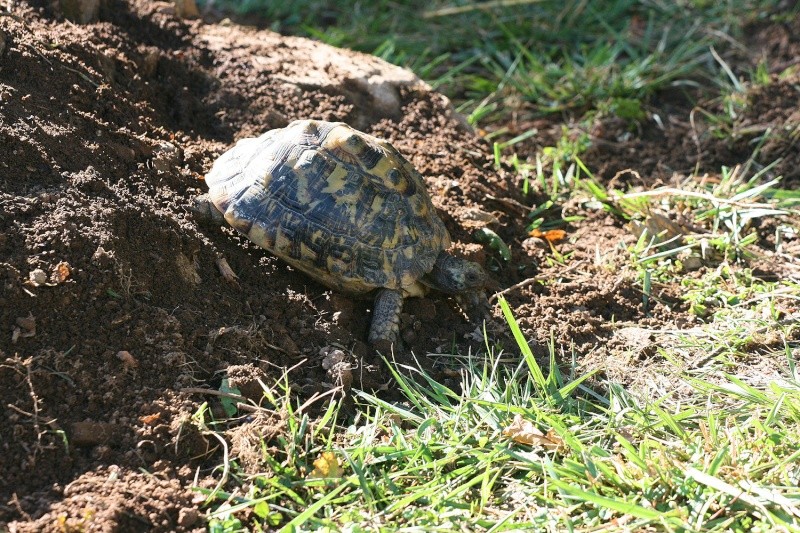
345,208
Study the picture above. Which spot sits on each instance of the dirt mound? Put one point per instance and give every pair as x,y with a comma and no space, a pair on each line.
112,310
111,301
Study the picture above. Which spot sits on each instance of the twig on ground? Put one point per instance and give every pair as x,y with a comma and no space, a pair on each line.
530,281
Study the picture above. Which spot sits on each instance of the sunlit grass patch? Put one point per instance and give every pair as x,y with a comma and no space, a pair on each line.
517,446
703,221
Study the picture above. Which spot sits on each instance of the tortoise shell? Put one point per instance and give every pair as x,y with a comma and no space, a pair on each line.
338,204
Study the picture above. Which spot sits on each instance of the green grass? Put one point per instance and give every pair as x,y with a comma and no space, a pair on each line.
444,459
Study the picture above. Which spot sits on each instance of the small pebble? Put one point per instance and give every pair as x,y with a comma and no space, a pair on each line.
38,277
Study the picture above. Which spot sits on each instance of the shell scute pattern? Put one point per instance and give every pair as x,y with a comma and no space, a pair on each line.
341,205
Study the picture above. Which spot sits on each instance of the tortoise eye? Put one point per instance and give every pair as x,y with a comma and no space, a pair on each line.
474,277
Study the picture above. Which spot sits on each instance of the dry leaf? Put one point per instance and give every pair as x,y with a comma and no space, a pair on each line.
555,441
150,419
522,431
551,235
61,272
326,466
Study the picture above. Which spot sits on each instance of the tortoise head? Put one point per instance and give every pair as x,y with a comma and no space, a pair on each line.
204,211
454,275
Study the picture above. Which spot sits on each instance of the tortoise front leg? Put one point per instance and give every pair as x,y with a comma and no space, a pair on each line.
386,317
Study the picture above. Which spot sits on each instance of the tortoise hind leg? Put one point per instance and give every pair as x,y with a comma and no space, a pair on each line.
386,318
205,212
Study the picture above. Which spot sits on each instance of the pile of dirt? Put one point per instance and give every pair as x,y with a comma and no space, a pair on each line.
112,310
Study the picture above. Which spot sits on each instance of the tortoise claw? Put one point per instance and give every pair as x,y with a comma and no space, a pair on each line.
226,271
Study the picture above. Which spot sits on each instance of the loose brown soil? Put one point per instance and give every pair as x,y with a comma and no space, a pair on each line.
113,312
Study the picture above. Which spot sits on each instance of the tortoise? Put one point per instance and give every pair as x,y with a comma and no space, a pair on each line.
345,208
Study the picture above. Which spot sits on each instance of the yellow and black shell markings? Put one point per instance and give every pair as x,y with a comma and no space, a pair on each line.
342,206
